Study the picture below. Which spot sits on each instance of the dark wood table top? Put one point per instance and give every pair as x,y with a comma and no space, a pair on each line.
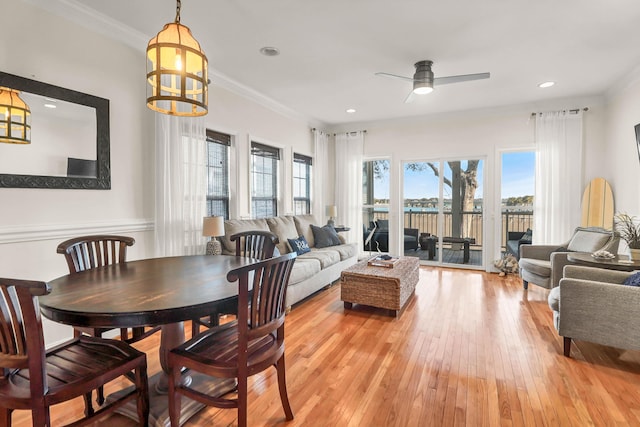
147,292
620,262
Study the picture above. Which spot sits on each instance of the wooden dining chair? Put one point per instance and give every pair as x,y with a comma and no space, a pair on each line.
241,349
256,244
35,379
88,252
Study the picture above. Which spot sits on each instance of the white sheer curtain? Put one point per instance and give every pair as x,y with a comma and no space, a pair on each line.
558,139
349,153
181,185
320,167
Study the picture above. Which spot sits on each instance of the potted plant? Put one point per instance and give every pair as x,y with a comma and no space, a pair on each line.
629,231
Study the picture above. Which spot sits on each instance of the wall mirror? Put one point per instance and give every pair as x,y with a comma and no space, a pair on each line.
69,139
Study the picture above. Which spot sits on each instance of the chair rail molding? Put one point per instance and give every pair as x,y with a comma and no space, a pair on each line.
37,232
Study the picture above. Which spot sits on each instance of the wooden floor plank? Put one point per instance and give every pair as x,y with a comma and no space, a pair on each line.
471,349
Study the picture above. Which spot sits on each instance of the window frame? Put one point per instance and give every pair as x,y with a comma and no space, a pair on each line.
222,139
307,161
264,151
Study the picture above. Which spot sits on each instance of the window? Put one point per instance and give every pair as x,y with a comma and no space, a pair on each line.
264,177
218,173
375,201
301,184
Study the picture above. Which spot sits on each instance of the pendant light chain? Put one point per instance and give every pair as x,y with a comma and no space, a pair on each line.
178,6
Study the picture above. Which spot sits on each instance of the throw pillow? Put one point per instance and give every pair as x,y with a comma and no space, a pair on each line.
528,235
633,280
299,245
325,236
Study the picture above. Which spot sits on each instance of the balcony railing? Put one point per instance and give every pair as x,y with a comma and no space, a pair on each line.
427,222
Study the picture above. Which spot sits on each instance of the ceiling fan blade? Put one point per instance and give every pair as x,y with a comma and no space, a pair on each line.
410,98
462,78
394,76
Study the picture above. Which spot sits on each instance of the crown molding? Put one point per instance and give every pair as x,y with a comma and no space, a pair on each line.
77,12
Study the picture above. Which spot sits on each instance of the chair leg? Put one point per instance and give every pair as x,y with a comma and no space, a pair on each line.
143,395
175,399
567,347
242,400
525,284
282,386
40,415
88,406
5,416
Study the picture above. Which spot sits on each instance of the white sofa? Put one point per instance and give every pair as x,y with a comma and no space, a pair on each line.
312,271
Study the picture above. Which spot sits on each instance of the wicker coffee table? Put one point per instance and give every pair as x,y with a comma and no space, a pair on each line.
381,287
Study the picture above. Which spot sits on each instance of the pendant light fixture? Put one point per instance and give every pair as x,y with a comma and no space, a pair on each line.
176,72
15,118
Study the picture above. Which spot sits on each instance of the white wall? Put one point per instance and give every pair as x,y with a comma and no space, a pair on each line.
620,158
55,50
482,134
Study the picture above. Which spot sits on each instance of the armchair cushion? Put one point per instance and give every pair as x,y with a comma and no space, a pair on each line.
588,239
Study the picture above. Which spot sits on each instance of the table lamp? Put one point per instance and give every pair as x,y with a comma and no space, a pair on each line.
213,226
332,213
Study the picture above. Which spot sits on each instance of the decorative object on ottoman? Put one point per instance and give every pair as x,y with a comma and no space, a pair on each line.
213,226
388,288
629,230
507,264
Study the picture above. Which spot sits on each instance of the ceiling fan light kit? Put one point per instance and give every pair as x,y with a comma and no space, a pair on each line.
424,80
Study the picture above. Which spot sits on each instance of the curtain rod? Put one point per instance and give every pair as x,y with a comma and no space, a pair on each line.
365,131
574,111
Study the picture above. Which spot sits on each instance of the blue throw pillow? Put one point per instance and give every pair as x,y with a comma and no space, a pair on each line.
325,236
633,280
299,245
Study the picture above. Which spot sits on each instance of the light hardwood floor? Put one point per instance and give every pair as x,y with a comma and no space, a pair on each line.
471,349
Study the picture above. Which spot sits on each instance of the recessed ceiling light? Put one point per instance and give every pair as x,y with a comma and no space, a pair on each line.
270,51
351,110
546,84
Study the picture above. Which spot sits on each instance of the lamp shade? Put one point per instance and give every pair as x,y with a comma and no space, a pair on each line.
213,226
176,72
15,118
332,211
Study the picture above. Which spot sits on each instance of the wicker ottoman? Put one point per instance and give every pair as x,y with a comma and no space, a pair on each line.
381,287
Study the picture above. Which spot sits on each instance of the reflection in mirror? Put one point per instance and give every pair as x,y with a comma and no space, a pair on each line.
59,130
69,139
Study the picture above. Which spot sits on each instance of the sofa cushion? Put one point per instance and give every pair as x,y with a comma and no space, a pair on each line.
233,226
554,299
299,245
327,256
303,269
325,236
303,225
285,229
345,251
588,239
538,267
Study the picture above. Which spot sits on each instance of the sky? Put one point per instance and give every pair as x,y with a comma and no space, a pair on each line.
517,179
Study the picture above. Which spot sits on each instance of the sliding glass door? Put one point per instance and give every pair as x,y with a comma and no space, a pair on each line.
443,206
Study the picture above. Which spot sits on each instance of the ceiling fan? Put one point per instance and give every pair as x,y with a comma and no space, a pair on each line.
423,80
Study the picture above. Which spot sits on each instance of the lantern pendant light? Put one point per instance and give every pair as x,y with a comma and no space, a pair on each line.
15,118
176,72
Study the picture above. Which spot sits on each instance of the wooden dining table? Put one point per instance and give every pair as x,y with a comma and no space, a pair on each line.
149,292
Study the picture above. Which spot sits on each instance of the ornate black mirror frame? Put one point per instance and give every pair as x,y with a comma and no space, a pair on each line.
103,179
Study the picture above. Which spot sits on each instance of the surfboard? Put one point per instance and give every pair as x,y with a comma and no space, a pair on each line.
597,204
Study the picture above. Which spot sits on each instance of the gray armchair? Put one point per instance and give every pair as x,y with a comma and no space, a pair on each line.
542,264
591,304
